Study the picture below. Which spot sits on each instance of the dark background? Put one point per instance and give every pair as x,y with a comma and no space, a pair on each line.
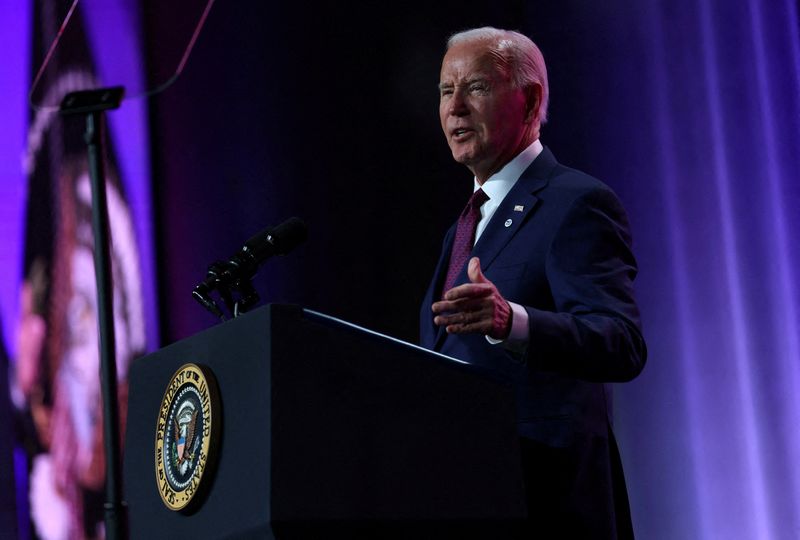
330,112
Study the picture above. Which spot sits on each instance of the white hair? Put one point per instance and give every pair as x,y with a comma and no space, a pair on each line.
516,54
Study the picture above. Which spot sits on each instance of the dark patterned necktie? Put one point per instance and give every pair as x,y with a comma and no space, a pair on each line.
465,237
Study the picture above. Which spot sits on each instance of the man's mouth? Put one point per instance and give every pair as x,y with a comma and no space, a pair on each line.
461,133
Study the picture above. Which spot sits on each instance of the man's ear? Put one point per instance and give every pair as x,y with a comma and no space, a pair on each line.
533,100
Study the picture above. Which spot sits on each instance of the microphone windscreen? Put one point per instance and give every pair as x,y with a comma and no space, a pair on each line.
288,235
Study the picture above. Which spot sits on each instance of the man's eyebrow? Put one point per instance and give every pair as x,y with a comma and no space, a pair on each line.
476,79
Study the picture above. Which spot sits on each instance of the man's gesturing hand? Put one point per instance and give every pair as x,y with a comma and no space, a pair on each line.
474,307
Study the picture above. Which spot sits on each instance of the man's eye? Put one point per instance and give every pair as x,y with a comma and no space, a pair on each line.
477,87
446,91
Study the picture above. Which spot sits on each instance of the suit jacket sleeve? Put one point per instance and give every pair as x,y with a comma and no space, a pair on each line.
593,333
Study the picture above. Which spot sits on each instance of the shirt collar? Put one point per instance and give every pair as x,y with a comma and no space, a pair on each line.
500,183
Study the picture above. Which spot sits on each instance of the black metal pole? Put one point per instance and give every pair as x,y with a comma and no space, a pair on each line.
114,507
93,103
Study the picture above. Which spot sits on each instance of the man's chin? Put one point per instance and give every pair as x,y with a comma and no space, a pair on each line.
464,157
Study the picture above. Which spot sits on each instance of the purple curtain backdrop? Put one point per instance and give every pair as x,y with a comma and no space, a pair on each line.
710,431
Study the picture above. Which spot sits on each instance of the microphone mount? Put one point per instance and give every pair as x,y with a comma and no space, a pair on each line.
232,279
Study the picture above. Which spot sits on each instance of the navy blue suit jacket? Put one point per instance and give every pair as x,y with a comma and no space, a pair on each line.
559,245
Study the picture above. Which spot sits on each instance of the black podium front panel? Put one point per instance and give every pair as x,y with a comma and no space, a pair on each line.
329,429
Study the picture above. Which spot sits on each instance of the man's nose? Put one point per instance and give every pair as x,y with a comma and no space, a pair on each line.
458,103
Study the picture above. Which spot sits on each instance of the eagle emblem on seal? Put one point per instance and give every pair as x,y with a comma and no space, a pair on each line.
185,423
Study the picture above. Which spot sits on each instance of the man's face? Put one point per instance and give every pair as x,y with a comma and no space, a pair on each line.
484,117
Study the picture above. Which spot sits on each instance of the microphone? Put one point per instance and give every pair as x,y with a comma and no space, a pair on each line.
242,266
271,241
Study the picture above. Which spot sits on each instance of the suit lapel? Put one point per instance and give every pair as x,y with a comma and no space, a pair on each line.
505,223
513,211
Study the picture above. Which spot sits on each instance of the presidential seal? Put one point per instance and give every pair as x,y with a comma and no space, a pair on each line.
186,436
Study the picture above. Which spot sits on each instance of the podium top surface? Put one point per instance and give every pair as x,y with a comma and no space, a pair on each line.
335,322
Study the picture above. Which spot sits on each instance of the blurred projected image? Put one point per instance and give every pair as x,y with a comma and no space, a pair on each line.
56,388
56,384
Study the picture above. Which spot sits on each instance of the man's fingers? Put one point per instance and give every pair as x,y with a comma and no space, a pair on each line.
469,290
480,313
462,304
470,328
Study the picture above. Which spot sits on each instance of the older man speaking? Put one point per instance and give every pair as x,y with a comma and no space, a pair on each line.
535,281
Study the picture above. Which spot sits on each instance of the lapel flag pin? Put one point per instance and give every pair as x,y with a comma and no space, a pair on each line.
519,208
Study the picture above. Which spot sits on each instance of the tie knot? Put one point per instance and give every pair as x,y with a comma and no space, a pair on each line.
477,199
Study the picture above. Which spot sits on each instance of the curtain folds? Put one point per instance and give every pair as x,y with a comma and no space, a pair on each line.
713,446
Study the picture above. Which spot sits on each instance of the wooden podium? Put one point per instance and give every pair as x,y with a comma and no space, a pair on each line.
329,430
